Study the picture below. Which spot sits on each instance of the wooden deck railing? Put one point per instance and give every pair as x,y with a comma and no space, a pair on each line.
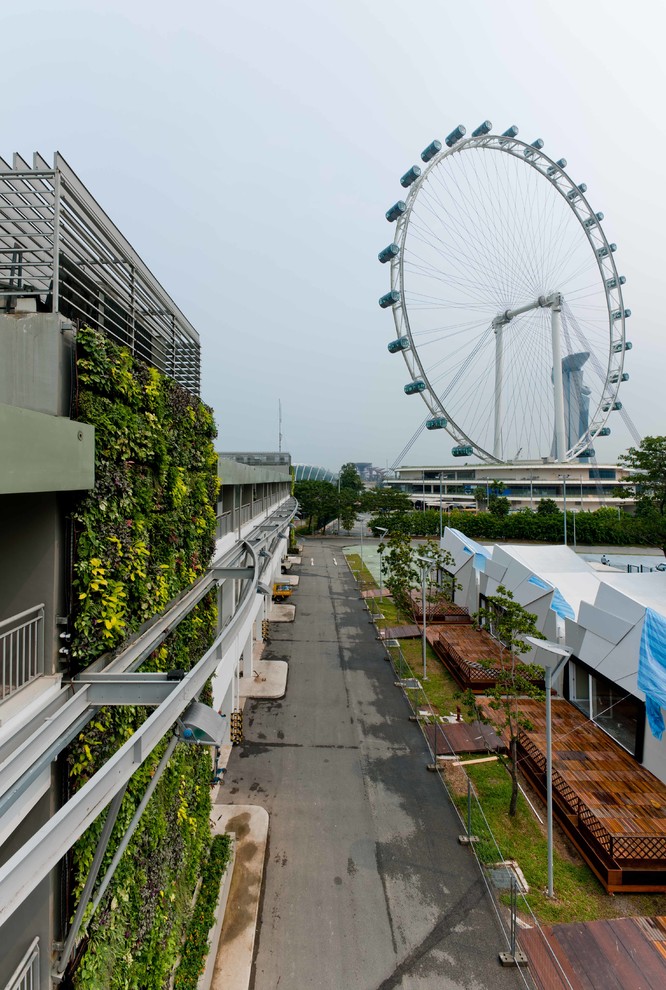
621,849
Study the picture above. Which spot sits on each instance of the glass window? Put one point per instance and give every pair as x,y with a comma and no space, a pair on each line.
580,688
607,474
619,714
616,712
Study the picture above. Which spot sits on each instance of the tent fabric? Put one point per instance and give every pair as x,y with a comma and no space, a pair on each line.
471,546
652,669
561,606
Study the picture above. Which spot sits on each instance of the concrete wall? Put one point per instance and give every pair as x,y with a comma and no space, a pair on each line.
35,362
31,562
35,915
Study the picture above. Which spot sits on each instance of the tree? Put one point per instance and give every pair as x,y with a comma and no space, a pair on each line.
403,569
648,464
480,496
348,508
318,501
510,623
385,500
547,507
350,478
498,505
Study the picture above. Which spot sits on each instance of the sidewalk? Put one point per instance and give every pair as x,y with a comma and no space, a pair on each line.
233,963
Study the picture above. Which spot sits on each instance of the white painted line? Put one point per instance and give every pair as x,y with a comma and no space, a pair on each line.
311,562
335,562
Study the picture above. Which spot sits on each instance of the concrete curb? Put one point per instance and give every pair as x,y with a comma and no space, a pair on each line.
235,951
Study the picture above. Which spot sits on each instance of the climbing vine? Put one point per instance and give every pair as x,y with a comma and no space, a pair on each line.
142,536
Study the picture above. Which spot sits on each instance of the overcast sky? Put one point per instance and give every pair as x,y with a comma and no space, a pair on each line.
249,152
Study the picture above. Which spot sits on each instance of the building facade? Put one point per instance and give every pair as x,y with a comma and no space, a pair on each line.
64,266
587,487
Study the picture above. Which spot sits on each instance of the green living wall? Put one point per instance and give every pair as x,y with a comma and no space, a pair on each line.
143,535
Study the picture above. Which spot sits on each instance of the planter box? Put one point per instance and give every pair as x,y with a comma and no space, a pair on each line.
206,977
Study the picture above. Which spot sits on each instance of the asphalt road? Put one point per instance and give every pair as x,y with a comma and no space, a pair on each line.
366,887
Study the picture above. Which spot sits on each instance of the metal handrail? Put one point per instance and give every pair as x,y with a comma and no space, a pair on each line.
31,956
21,649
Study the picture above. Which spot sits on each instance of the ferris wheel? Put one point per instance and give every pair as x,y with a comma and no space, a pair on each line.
506,299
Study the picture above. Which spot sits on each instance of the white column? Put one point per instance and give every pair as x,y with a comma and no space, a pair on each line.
499,374
558,387
247,657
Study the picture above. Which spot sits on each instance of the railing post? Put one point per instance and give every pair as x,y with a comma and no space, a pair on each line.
40,642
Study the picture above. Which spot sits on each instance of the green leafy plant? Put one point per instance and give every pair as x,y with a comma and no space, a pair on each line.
195,946
142,536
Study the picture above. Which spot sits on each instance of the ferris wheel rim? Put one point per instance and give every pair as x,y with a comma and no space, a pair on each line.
574,197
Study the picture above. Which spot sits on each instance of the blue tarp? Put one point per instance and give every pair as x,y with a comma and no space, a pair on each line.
558,603
561,606
652,669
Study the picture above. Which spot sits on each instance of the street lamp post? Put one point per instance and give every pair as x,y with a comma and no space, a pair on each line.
383,533
426,566
552,668
564,491
530,477
440,507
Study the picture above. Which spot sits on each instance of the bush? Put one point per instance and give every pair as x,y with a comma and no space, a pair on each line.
195,948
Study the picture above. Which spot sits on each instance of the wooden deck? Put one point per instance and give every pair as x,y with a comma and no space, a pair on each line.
438,611
399,632
461,648
613,809
618,954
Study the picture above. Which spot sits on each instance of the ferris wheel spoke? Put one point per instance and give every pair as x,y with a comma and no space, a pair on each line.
466,260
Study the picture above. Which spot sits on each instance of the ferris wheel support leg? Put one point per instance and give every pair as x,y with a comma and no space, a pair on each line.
499,375
558,386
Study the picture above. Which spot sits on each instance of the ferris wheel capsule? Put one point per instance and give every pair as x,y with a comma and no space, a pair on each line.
395,211
388,253
456,135
411,175
433,149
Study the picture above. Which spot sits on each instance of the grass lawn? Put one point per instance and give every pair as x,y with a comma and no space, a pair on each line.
578,894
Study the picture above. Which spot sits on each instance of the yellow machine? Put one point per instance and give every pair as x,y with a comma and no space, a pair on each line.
281,592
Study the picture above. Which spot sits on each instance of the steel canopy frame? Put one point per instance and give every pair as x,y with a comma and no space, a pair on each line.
589,222
59,247
41,853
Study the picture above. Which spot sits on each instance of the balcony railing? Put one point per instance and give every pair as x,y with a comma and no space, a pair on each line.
26,974
21,650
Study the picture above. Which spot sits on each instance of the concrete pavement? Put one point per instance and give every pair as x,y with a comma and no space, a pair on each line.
365,885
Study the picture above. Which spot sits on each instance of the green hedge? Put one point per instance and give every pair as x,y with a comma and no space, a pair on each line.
195,947
144,534
602,527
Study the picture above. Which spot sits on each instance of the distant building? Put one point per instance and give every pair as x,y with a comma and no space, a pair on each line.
312,472
588,486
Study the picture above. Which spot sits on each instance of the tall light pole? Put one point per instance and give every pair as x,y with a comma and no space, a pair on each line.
564,489
380,529
573,512
338,503
487,481
559,654
426,567
530,477
440,507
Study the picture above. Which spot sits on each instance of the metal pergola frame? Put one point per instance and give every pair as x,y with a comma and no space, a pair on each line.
59,248
590,222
